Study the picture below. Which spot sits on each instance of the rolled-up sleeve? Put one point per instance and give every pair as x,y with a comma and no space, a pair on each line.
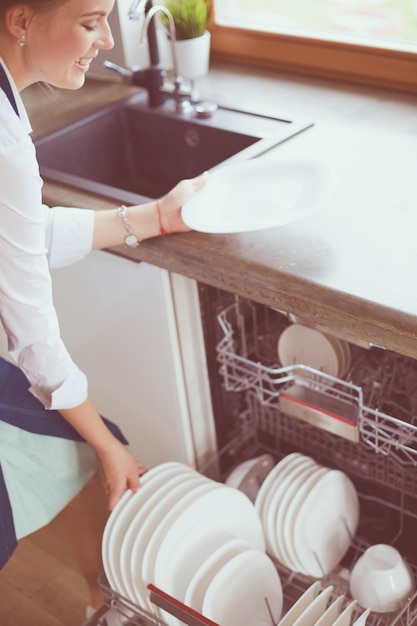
69,234
30,233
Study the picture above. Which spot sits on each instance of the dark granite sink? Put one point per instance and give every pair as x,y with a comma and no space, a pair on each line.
127,149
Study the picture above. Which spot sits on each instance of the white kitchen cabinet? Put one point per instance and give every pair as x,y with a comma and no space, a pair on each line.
145,366
134,329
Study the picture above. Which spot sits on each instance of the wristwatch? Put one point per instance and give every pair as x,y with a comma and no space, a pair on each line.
130,241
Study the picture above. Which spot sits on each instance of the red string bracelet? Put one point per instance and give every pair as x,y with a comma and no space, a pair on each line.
161,227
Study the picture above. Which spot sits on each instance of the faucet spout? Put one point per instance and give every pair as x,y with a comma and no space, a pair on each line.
153,77
172,36
137,9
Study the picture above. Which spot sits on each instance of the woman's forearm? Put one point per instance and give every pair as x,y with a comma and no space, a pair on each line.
109,228
88,423
120,470
147,220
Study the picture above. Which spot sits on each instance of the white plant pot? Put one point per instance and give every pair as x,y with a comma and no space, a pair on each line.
193,56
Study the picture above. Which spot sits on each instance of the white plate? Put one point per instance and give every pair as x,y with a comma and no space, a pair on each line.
144,507
189,502
111,521
280,469
196,590
257,194
186,558
127,513
315,610
149,477
343,353
105,555
321,527
301,604
301,345
288,510
331,613
242,590
285,485
158,536
146,531
345,617
249,475
286,532
361,621
224,510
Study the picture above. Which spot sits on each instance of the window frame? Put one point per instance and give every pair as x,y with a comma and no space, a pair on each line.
336,60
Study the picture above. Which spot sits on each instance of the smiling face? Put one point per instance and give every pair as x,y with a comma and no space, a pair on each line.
62,40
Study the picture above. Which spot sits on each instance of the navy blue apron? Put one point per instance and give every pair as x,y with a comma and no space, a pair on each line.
20,408
5,85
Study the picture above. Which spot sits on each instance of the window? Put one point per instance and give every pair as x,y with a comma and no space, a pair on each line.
372,42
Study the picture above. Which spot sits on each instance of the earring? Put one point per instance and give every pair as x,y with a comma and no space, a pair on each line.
22,41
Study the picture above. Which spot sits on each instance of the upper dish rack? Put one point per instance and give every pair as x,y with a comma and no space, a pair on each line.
379,384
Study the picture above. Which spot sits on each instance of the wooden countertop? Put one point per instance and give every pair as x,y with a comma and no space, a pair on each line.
351,267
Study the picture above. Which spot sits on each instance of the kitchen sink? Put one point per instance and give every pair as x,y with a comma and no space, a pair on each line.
127,149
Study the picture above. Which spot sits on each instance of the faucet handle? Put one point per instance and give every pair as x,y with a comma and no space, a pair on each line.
137,9
122,71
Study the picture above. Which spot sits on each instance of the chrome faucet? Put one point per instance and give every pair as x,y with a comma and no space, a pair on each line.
159,8
137,9
153,78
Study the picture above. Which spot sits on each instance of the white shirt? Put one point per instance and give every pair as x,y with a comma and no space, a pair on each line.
33,238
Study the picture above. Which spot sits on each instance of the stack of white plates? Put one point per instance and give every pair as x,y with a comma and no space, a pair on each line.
197,540
316,607
309,514
303,345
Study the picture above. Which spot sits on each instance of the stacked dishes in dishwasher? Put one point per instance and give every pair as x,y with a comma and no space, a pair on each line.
310,514
199,541
211,546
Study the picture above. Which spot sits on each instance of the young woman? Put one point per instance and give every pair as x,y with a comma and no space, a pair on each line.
53,443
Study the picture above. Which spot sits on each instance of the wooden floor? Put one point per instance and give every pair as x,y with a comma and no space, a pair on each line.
40,585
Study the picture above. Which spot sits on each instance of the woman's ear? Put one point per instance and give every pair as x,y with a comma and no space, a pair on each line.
17,20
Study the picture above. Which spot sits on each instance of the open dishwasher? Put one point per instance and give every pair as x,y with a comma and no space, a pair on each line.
362,422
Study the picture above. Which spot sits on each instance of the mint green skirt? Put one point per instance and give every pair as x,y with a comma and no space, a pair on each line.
42,474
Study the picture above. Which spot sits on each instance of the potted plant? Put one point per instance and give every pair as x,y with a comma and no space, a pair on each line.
191,19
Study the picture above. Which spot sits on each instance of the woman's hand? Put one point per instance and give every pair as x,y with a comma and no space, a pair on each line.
120,471
147,220
172,203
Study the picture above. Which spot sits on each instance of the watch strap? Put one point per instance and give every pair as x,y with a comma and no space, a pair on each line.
130,241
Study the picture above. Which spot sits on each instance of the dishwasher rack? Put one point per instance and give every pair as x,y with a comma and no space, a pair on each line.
245,444
130,614
381,385
293,585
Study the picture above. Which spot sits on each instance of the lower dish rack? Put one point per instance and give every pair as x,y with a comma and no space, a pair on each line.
245,445
123,612
380,457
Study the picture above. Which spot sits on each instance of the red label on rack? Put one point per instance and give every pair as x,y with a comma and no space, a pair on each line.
331,414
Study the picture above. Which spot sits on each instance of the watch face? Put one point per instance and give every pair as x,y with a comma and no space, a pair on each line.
131,241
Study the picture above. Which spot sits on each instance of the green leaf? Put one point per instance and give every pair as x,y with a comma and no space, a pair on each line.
190,17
